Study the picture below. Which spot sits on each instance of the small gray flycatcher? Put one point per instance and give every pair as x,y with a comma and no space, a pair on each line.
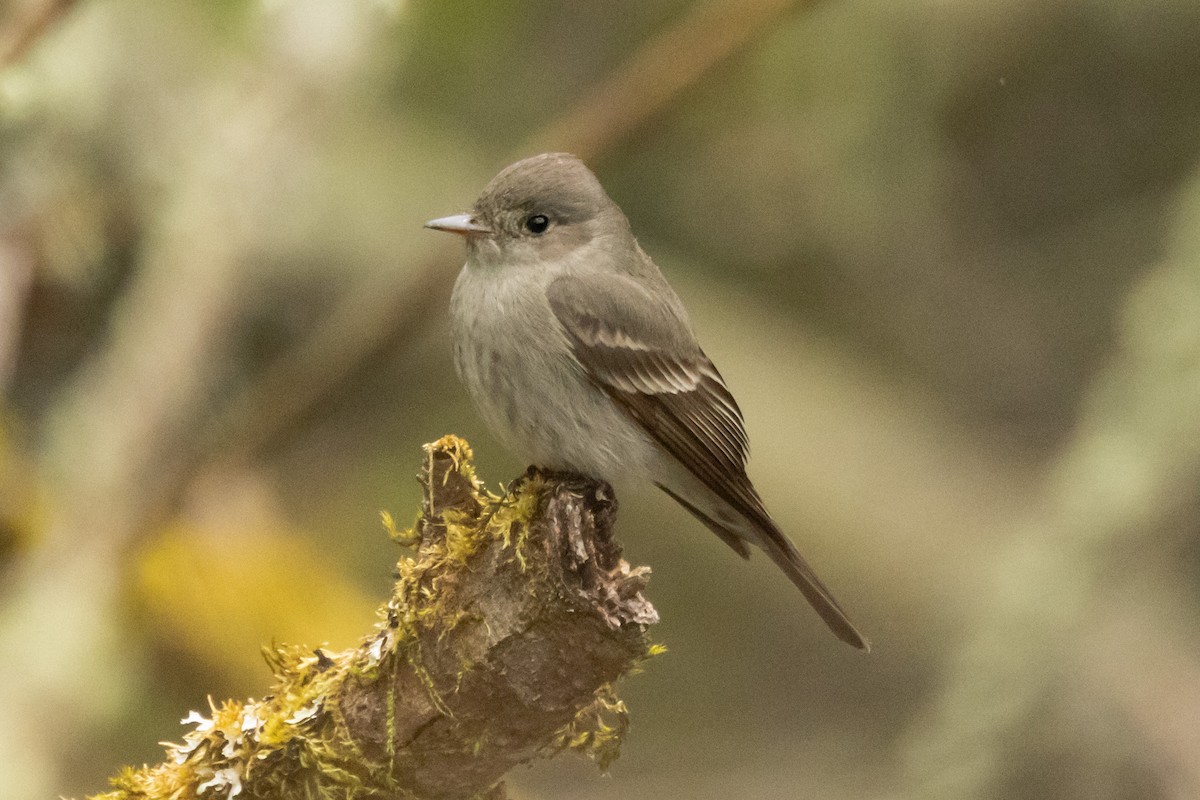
580,357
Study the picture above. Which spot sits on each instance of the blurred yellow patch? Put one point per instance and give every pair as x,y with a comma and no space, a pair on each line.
221,596
22,501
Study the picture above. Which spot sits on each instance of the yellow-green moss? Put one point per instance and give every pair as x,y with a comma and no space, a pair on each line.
406,538
510,520
597,729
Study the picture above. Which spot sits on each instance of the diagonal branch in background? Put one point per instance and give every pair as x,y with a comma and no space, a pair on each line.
500,642
27,27
658,75
381,314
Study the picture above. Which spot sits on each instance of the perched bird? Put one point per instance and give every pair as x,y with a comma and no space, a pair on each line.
580,357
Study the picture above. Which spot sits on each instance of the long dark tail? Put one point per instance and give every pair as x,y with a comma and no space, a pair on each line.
788,559
762,531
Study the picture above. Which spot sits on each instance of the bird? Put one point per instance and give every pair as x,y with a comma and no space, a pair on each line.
579,355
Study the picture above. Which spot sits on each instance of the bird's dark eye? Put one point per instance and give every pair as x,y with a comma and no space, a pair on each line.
537,224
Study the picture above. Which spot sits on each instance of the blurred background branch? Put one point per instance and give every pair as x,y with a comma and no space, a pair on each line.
659,74
26,24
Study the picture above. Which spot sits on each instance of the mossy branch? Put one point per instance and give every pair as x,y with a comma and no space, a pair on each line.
501,642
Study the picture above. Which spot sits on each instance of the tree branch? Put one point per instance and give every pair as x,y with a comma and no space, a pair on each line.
500,642
659,74
29,25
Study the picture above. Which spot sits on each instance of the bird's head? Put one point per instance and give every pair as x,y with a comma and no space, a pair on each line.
538,211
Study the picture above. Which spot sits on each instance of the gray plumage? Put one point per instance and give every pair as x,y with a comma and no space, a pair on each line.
581,357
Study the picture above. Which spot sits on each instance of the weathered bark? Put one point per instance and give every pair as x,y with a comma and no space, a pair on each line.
501,642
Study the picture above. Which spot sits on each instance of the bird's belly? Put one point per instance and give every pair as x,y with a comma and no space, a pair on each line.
536,399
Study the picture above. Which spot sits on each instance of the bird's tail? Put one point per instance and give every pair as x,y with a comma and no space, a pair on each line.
788,558
753,524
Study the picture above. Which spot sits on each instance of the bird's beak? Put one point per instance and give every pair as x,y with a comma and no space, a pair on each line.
462,224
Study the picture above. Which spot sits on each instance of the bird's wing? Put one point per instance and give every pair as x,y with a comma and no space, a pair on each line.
639,351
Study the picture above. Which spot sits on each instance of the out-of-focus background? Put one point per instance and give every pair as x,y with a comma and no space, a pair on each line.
947,255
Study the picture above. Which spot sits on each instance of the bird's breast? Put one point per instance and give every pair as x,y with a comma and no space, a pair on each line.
516,363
